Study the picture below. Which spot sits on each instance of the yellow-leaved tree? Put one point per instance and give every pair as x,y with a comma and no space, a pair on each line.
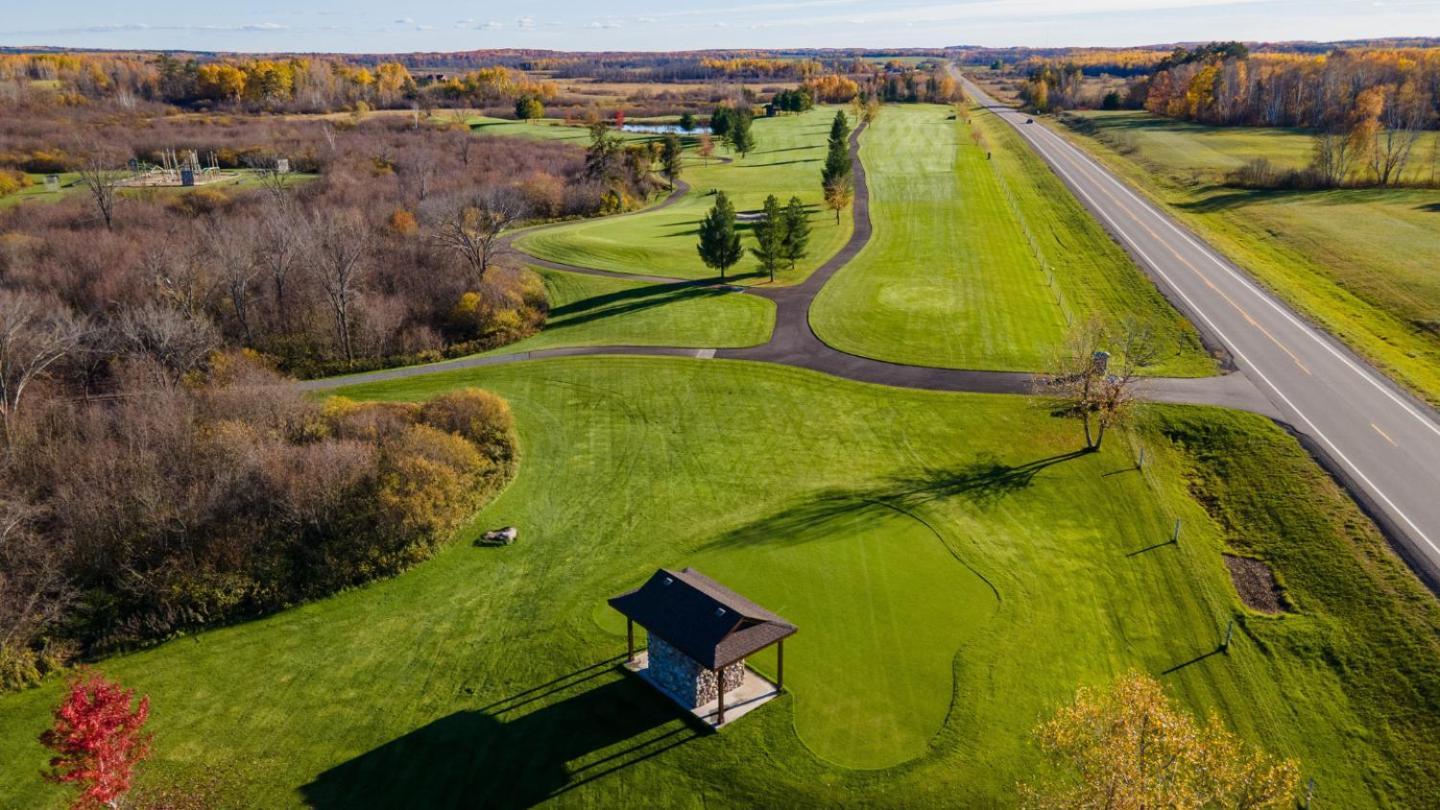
1129,747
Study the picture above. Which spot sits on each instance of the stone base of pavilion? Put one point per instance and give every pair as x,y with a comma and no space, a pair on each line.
754,692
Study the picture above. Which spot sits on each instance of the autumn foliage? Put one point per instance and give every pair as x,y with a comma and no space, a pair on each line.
98,739
1129,747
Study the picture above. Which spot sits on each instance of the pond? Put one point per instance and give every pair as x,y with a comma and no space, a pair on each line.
656,129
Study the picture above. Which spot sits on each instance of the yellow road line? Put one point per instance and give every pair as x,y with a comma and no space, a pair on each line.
1383,434
1246,315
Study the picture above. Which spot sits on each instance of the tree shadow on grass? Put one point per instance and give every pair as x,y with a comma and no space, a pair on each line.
516,752
629,301
983,482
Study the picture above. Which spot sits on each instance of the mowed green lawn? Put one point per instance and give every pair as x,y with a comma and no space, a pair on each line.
955,571
590,310
950,278
786,162
1363,263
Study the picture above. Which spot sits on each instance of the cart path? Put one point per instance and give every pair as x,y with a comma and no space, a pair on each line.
793,343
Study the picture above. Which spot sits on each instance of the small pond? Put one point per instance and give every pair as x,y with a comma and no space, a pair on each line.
656,129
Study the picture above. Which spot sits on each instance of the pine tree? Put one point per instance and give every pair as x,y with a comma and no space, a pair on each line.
671,158
770,237
797,232
719,243
739,135
837,158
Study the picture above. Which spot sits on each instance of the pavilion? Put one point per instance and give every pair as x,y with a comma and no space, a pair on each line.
700,634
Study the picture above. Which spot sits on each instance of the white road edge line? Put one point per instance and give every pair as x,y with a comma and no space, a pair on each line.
1318,433
1250,285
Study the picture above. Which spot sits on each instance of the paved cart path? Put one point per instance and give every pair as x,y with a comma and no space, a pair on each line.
793,342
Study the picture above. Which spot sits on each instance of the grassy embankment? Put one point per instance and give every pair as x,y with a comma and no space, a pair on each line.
790,151
1362,263
954,569
951,278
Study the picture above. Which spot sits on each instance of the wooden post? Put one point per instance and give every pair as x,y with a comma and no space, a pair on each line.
629,640
780,665
720,690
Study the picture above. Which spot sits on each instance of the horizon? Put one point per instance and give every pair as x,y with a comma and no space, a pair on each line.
367,27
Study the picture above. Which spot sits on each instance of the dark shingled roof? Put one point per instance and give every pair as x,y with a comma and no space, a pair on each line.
701,618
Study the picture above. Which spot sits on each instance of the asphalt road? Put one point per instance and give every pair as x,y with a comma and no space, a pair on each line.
1381,442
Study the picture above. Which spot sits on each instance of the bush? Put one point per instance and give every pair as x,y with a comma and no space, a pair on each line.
12,181
1260,173
196,506
479,416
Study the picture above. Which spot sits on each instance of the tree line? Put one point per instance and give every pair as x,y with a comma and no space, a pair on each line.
1366,109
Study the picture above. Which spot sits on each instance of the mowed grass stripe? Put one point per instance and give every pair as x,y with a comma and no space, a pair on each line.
947,279
951,280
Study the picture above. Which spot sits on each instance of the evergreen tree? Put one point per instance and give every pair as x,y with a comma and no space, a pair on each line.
797,232
719,243
770,237
839,129
721,120
672,161
739,136
687,122
837,158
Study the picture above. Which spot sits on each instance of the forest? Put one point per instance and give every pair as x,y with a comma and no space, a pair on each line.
1366,108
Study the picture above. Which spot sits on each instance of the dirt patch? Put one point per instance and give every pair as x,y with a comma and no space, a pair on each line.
1256,585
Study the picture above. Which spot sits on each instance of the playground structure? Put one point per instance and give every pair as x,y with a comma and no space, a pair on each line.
176,169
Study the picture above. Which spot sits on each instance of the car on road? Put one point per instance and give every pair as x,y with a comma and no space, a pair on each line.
1029,120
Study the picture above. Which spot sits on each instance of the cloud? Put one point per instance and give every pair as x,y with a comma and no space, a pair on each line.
525,23
405,21
265,26
596,24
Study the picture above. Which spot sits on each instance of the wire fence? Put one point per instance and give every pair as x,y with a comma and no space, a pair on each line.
1034,244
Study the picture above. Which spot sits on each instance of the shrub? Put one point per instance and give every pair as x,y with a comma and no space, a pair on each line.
479,416
12,181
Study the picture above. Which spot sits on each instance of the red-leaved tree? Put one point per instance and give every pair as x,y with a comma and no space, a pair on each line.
97,740
619,119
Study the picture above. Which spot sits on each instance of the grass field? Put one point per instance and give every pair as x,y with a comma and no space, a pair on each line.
1362,263
70,184
595,311
787,161
955,571
950,279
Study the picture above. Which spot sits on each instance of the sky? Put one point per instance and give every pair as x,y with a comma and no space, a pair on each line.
373,26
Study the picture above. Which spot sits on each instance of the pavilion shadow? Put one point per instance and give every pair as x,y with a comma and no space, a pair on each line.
515,753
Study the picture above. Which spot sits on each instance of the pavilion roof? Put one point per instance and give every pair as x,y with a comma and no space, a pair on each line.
701,618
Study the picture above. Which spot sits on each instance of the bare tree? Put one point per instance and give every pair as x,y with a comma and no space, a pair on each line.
232,247
336,258
1402,119
102,179
279,252
1090,381
471,226
176,342
35,333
